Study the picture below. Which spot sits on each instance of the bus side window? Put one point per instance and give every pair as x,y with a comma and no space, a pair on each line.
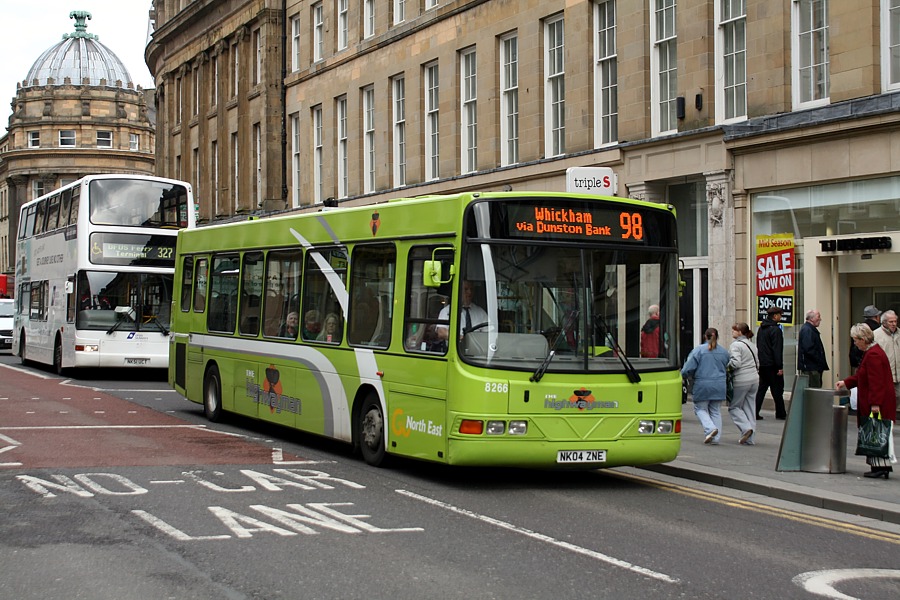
424,304
251,289
187,283
200,286
223,286
372,295
282,284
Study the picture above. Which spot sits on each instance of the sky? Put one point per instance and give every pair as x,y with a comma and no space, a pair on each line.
31,27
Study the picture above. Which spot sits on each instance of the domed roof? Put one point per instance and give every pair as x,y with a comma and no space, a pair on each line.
79,56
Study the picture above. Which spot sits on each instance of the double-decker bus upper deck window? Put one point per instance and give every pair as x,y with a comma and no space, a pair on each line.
53,212
138,203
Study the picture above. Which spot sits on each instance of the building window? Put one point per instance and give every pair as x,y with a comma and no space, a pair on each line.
342,149
134,142
399,141
104,139
295,43
235,168
295,156
37,189
468,73
432,122
663,67
214,174
368,18
236,70
257,159
214,88
369,139
67,138
195,97
890,45
343,25
555,86
399,11
318,156
258,65
430,4
318,19
731,60
810,53
606,78
34,139
509,100
179,100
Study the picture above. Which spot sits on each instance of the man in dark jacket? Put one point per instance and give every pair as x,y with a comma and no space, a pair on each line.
871,315
810,350
770,345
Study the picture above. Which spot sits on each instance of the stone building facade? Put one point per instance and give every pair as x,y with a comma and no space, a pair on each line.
76,112
754,118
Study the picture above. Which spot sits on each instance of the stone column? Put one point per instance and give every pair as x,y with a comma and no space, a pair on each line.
648,191
721,252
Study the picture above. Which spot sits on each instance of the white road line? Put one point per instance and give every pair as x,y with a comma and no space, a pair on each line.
821,583
54,427
542,538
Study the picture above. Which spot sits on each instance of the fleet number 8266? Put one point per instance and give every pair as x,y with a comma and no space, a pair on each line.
494,387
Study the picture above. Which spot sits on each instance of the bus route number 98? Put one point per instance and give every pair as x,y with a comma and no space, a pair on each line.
494,387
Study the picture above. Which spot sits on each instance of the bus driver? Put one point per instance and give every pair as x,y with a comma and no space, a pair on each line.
470,315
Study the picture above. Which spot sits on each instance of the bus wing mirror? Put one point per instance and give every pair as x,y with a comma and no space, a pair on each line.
70,287
433,275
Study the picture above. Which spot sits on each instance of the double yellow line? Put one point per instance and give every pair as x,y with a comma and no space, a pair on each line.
866,532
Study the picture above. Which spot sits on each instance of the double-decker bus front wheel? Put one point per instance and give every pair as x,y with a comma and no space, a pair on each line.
371,431
212,394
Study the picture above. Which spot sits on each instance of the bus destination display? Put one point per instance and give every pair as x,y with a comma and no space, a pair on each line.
580,222
132,249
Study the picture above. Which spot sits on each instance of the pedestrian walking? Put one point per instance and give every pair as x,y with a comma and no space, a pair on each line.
770,346
810,350
706,364
875,391
745,366
871,316
888,337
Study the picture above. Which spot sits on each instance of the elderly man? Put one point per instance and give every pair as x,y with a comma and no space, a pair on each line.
888,337
810,350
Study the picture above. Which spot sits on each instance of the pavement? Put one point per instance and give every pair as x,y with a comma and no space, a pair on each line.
753,469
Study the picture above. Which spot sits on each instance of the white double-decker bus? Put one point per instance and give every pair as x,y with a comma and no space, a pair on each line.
94,267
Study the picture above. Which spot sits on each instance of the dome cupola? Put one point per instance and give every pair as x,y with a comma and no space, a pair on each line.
81,58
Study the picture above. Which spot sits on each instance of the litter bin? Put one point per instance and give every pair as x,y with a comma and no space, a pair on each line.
823,446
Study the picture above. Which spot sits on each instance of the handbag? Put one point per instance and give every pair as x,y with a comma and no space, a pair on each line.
873,437
729,385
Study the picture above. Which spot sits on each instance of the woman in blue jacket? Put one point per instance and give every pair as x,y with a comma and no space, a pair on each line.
706,364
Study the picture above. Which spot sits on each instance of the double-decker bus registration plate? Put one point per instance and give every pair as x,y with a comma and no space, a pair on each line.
580,456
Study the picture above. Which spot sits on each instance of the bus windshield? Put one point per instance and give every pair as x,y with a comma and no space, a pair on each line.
124,301
587,306
138,203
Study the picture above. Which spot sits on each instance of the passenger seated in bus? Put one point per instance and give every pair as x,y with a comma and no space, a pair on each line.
331,329
470,314
289,329
311,325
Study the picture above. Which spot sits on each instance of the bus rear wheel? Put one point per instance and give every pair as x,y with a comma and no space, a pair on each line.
212,395
371,431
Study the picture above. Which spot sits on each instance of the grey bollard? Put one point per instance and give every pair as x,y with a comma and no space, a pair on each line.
823,444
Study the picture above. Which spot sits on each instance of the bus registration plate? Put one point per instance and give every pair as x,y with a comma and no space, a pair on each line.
580,456
137,361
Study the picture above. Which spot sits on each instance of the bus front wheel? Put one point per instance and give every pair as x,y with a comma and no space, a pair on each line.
212,395
58,358
371,431
22,358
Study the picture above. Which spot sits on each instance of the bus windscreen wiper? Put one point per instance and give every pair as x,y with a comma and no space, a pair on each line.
633,375
567,324
155,320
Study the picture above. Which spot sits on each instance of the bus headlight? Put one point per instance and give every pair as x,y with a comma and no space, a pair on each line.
665,427
518,427
495,427
87,348
646,426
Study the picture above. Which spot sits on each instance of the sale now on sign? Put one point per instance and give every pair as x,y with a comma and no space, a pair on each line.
775,274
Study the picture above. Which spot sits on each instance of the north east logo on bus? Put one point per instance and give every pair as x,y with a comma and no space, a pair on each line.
402,425
271,394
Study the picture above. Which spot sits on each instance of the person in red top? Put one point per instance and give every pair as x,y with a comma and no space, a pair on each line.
876,389
650,339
